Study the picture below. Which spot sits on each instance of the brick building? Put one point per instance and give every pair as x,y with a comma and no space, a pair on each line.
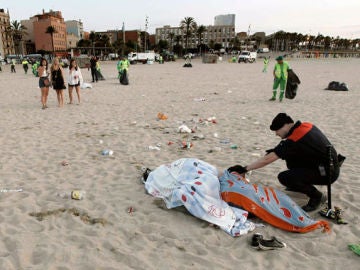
6,42
43,40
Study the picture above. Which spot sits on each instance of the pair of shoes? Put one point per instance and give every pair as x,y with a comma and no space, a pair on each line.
258,242
44,107
272,99
314,203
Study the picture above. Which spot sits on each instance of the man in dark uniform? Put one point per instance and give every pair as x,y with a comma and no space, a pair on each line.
93,61
305,149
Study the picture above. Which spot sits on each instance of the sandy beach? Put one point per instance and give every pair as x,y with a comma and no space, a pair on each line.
117,225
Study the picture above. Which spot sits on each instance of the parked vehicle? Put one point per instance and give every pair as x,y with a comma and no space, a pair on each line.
247,57
142,57
113,56
263,50
33,58
10,57
168,56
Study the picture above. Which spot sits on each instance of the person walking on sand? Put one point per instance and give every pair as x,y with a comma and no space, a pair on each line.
25,65
266,63
305,149
13,62
58,82
44,82
75,79
280,77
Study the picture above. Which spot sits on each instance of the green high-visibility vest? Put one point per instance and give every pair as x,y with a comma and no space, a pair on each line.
281,71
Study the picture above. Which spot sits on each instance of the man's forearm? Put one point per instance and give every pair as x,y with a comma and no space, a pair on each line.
261,162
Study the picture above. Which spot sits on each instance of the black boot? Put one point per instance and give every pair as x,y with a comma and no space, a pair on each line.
315,202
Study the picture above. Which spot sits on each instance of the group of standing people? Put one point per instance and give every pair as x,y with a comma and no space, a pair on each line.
56,77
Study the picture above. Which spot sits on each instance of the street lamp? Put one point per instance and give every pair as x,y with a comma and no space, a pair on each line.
146,27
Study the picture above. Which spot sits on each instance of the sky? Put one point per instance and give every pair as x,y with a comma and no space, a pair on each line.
327,17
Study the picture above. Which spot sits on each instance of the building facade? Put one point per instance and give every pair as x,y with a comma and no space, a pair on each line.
228,20
71,41
141,38
221,34
45,41
29,40
76,28
167,31
6,41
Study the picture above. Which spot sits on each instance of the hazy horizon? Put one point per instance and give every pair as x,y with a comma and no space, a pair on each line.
329,19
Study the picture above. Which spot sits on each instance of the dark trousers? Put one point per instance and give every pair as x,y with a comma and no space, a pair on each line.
93,74
303,180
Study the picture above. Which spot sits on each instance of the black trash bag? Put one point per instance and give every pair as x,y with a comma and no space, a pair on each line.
100,76
124,79
337,86
292,84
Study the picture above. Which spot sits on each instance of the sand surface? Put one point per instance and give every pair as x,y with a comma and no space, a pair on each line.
98,232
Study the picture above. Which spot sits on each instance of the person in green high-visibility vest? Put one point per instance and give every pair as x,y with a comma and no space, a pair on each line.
280,77
266,63
123,67
25,65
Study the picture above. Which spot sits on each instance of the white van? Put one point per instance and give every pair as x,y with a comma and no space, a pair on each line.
247,57
263,50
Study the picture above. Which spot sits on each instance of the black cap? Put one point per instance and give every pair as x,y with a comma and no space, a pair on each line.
280,120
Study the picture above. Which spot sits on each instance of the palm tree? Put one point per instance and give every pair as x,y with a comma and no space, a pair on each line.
177,48
51,30
188,26
171,37
177,39
235,43
94,37
327,42
199,32
16,30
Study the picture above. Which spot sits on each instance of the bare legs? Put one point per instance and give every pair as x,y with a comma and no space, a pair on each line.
78,92
77,88
44,96
60,97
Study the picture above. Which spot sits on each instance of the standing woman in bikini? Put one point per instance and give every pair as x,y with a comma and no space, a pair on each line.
44,83
75,79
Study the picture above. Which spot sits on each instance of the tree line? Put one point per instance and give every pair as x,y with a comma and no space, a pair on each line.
279,41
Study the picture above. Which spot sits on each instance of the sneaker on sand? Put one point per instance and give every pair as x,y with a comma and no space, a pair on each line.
272,99
314,203
255,240
273,243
